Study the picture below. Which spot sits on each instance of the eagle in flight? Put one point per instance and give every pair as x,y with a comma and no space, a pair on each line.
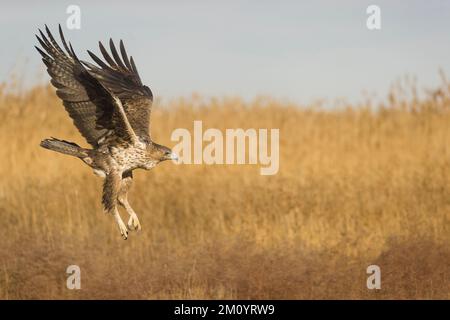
111,108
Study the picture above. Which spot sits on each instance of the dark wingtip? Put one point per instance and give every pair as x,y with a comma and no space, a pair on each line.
124,54
63,40
98,60
43,54
42,34
73,53
111,43
48,32
92,55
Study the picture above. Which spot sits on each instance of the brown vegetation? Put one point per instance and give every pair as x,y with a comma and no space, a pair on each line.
356,186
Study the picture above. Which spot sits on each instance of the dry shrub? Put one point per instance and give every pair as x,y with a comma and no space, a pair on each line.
356,186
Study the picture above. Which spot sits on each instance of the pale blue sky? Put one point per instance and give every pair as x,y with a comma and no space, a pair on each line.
296,50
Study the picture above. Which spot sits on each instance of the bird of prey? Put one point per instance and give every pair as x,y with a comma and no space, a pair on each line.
111,108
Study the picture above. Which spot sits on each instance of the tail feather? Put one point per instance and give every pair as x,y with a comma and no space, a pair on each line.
63,146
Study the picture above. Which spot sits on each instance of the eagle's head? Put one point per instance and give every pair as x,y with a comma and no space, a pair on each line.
157,153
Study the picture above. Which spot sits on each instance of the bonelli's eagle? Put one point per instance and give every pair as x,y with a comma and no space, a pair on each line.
111,108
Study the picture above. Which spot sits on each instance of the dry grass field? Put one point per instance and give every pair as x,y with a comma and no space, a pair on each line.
357,185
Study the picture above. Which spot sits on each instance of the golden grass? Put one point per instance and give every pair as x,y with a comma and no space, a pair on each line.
356,187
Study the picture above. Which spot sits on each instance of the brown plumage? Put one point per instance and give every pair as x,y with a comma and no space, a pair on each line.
111,108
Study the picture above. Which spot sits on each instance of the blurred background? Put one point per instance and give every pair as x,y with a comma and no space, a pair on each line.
297,50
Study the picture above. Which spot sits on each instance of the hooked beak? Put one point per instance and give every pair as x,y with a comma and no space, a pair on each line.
173,156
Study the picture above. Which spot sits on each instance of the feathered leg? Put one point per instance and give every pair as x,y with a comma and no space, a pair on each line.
111,189
127,180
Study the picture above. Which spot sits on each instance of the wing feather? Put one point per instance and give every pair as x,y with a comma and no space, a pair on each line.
116,55
120,76
123,52
106,55
95,110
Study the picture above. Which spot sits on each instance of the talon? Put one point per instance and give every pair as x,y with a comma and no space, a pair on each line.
133,223
122,228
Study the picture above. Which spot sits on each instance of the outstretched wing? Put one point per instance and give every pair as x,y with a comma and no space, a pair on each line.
95,111
120,76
